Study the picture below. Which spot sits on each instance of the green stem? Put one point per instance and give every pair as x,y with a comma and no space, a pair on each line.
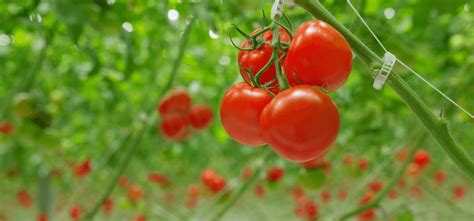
282,80
140,132
437,127
243,188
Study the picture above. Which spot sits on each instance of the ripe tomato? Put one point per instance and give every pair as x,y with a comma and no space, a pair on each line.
75,212
255,60
259,191
213,181
83,169
42,217
275,174
421,158
325,196
459,192
240,113
193,191
375,186
134,192
440,176
108,204
6,128
140,218
318,55
24,198
363,164
177,101
246,173
300,123
342,194
200,116
159,179
174,126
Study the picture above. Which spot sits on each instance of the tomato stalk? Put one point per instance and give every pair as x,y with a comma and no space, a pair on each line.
436,126
282,80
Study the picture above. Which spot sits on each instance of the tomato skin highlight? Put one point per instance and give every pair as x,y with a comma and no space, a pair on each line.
255,60
319,56
240,113
300,123
200,116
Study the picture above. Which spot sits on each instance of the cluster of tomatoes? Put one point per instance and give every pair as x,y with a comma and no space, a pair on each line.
212,181
300,123
178,116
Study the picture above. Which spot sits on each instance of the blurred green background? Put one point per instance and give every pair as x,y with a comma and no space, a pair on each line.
97,68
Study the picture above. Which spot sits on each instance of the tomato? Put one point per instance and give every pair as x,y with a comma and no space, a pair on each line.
200,116
402,155
325,196
108,205
24,198
214,182
459,192
246,173
174,126
75,212
177,101
193,191
240,113
134,192
259,191
421,158
140,218
342,194
363,164
297,192
440,176
275,174
6,128
375,186
83,169
42,217
300,123
318,55
255,60
158,179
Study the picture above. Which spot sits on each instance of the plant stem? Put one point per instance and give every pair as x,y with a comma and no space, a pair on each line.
436,126
243,188
282,80
141,131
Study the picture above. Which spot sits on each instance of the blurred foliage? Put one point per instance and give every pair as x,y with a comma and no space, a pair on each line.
97,68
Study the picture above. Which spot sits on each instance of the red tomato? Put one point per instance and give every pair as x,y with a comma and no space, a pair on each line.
42,217
214,182
240,113
319,56
375,186
259,191
366,198
413,169
342,194
158,179
123,182
363,164
6,128
108,204
140,218
174,127
392,194
297,192
75,212
177,101
421,158
24,198
440,176
459,192
325,196
311,209
275,174
134,192
255,60
246,173
367,215
193,191
300,123
83,169
200,116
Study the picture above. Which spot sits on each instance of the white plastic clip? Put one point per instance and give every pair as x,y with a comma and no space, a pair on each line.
388,62
277,9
